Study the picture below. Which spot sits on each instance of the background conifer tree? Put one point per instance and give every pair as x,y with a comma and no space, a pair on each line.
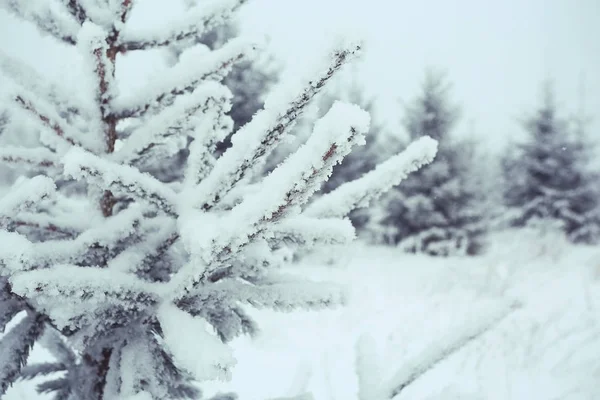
548,182
436,211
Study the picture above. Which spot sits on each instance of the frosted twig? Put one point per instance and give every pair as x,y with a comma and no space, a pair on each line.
360,192
121,179
31,158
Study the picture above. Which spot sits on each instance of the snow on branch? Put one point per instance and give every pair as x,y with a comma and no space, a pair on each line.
15,347
198,20
86,288
293,294
196,65
46,17
254,141
9,304
26,194
76,10
285,189
360,192
123,9
188,110
206,357
52,341
120,179
62,135
160,236
433,355
308,231
34,159
271,290
91,245
14,250
37,224
35,370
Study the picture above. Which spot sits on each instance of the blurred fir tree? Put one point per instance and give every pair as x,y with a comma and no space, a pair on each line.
438,210
548,182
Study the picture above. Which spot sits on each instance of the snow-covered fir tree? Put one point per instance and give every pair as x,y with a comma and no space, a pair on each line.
436,210
548,182
135,285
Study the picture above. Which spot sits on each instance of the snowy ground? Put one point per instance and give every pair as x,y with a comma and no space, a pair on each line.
549,348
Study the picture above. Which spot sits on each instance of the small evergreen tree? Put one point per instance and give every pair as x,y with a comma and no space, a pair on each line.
436,211
134,284
547,178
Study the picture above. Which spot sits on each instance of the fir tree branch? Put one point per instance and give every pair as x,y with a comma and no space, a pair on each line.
288,187
101,58
34,370
44,17
53,385
83,284
307,232
258,138
54,343
184,77
26,194
121,179
76,10
190,110
47,118
9,304
102,53
100,365
33,159
15,347
125,9
360,192
198,20
12,224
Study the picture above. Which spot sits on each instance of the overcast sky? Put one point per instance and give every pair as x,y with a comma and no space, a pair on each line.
496,53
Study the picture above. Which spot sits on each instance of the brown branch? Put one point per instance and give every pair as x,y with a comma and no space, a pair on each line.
76,10
126,7
12,224
16,160
104,70
100,366
44,119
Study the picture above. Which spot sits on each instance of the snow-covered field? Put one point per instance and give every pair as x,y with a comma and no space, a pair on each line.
403,306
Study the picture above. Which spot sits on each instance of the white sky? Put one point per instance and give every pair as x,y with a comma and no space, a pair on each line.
496,53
